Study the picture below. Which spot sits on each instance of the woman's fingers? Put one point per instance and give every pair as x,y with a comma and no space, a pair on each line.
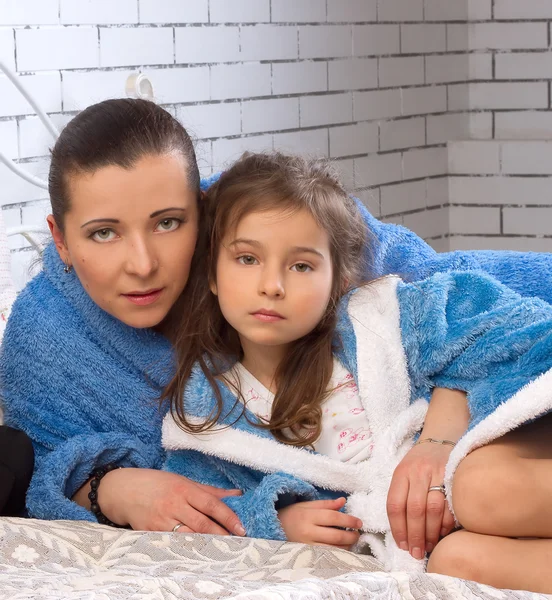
434,518
448,523
396,509
416,507
182,529
198,521
204,506
218,492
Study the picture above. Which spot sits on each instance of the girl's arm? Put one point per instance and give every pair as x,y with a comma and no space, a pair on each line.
418,518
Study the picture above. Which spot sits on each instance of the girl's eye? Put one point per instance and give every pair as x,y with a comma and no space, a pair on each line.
103,235
169,224
301,268
247,260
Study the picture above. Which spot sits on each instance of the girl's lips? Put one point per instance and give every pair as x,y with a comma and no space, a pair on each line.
144,299
268,316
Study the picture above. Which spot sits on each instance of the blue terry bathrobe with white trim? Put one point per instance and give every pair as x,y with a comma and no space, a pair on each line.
457,330
85,387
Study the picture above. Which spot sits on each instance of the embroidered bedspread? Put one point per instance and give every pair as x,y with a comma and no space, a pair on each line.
80,560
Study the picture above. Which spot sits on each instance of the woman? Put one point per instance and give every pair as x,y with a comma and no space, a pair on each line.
124,187
87,350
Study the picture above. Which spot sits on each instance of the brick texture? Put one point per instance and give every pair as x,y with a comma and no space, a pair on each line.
437,112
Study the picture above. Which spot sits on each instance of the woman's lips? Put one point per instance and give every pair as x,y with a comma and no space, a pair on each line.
144,298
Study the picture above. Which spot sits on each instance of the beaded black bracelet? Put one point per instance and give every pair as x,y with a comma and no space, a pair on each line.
97,475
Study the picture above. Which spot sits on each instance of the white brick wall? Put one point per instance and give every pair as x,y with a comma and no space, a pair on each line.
510,55
407,96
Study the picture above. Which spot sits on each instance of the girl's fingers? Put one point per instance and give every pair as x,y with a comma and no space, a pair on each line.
416,507
434,518
333,518
396,509
332,504
336,537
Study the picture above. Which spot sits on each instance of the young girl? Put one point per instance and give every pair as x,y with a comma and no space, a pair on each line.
298,391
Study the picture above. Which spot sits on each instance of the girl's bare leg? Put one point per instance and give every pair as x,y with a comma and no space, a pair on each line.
500,492
498,561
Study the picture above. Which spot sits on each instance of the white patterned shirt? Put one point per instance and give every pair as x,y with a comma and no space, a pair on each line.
345,433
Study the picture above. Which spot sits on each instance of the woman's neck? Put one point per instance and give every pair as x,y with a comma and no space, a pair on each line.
263,361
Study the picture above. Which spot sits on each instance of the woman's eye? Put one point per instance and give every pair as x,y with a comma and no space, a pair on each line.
247,260
168,224
301,268
103,235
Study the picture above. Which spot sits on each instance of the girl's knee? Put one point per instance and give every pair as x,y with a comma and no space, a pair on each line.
456,556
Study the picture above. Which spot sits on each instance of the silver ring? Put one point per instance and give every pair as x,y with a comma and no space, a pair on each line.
438,488
177,527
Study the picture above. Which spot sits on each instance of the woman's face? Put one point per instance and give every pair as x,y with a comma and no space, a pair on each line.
130,235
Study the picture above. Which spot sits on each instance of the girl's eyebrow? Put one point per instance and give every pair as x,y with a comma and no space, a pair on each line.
153,215
294,250
300,249
245,241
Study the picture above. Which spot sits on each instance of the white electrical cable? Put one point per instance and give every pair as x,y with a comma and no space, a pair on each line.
27,232
41,115
25,93
22,173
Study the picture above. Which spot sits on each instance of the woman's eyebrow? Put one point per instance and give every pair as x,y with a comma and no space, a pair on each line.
153,215
164,210
100,221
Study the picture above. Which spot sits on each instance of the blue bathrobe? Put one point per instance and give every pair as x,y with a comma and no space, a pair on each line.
85,387
457,330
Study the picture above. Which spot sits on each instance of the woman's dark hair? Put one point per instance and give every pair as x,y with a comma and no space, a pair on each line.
257,183
115,132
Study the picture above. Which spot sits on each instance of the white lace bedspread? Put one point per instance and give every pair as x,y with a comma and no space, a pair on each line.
61,559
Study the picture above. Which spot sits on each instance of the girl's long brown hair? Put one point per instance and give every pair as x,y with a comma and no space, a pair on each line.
262,182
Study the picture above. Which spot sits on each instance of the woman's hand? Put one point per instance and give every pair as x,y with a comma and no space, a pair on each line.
418,517
151,500
319,522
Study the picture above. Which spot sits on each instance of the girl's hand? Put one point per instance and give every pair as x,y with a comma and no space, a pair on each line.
319,522
151,500
419,518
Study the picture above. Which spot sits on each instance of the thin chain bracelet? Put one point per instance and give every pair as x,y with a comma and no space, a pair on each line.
97,475
435,441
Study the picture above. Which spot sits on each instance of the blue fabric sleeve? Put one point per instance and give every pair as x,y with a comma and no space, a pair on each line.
256,507
61,472
467,331
257,510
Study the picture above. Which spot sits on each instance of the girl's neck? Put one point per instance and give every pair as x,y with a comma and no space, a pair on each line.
262,362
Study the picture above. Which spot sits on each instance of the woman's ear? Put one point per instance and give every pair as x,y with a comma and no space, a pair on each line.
59,239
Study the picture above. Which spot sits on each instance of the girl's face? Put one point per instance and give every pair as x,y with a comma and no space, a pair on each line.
130,235
274,277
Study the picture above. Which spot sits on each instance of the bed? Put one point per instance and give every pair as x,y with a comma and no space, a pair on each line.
79,560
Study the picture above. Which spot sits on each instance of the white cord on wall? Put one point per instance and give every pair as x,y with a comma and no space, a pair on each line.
42,116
